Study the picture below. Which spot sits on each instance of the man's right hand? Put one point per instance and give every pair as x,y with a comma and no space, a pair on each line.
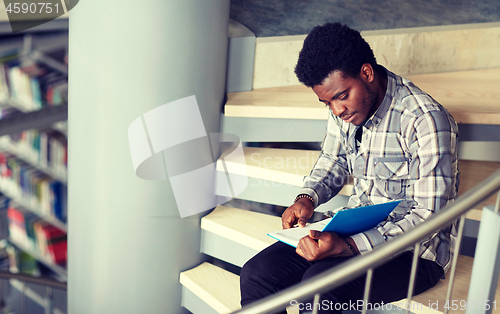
298,213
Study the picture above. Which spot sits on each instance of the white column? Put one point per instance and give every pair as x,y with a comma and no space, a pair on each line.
127,242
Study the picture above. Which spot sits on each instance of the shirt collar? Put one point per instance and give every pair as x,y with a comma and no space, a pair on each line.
386,102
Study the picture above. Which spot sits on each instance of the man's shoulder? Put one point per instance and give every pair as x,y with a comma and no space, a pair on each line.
412,99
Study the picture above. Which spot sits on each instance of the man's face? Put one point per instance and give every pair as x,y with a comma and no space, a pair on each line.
349,98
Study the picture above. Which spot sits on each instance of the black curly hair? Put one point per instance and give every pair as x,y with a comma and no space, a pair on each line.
332,47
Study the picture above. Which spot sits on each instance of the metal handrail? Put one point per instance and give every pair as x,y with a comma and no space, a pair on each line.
358,265
43,281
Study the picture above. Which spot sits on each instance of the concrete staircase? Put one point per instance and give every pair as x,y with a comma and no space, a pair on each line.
279,110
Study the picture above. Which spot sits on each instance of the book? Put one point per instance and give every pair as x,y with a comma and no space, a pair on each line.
345,223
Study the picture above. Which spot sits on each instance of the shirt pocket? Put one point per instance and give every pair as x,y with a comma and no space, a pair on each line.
391,175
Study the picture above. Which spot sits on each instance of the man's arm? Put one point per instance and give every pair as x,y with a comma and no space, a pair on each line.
331,171
325,180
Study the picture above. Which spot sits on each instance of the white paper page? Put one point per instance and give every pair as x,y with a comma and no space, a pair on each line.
292,236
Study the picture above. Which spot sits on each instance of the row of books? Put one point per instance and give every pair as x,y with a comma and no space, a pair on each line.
36,235
31,85
40,192
48,148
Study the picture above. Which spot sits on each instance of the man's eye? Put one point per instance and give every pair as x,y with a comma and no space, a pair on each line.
343,96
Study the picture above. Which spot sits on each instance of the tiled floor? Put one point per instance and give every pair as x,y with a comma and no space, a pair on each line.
295,17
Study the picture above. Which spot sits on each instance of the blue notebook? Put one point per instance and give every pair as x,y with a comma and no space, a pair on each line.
345,223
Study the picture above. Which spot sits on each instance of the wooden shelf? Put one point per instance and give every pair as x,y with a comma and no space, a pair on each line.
470,96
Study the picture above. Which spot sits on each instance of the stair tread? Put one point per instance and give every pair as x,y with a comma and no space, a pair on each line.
242,226
285,166
217,287
460,287
470,96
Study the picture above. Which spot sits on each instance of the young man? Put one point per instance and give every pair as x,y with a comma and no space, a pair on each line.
397,143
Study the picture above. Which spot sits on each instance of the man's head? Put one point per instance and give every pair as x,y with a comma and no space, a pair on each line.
340,67
332,47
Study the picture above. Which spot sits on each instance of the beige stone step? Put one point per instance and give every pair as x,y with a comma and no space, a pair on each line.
473,172
437,294
244,227
280,166
217,287
470,96
407,51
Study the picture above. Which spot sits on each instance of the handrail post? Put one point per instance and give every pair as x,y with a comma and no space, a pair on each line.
368,285
316,301
413,273
454,262
486,267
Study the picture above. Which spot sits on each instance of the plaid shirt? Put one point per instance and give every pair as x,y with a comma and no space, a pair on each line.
408,151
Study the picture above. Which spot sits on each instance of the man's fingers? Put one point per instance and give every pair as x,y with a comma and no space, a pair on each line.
303,217
287,221
307,248
302,222
315,234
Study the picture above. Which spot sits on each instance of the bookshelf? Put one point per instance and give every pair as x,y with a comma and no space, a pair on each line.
26,154
33,162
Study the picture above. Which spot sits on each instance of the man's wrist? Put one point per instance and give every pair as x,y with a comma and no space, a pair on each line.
304,196
351,246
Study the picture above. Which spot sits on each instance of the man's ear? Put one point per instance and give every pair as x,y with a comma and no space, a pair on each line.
367,73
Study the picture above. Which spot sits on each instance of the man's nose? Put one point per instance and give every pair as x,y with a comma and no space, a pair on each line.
337,109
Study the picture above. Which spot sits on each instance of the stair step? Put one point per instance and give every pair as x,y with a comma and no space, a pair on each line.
470,96
460,288
275,175
216,287
236,235
406,51
242,226
211,289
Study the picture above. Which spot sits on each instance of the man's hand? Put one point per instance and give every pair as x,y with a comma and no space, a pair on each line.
319,245
298,213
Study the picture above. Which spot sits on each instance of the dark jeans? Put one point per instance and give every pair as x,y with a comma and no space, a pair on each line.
279,266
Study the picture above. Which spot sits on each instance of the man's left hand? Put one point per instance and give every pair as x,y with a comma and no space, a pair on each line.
319,245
